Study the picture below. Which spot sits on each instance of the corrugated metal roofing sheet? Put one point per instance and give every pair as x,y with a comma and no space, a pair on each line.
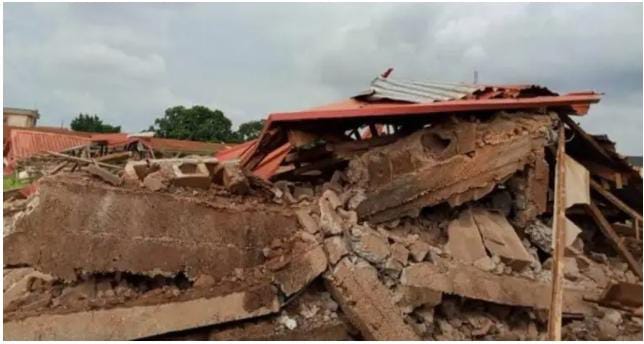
417,91
389,98
25,143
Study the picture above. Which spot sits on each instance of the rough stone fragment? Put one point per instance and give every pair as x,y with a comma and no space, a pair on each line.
415,297
501,239
155,181
366,302
470,282
306,221
301,270
465,243
419,250
125,323
234,179
540,235
336,248
400,253
332,198
301,193
371,246
22,286
330,222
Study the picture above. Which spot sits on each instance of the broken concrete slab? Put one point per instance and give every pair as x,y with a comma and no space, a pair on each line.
400,253
419,170
366,302
470,282
301,270
413,297
622,294
501,239
577,183
465,243
126,323
419,250
104,174
141,232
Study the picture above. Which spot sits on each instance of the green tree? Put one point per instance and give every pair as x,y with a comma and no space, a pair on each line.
89,123
249,130
197,123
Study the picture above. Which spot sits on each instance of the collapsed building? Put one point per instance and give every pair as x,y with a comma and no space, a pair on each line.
413,210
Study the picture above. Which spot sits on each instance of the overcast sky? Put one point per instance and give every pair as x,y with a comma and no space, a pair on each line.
129,62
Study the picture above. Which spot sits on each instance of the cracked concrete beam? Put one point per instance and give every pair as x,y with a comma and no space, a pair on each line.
470,282
116,229
125,323
368,304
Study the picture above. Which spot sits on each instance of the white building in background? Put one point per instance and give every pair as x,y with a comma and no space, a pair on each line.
20,117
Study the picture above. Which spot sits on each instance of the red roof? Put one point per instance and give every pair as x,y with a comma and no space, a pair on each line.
517,97
25,143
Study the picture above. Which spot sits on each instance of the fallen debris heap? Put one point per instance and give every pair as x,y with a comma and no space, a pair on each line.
413,211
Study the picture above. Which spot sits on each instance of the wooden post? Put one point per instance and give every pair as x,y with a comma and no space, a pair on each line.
559,240
614,239
636,225
614,200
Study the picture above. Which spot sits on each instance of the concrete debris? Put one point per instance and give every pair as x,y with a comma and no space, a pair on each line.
366,302
465,241
423,228
336,248
501,239
418,171
142,321
473,283
370,245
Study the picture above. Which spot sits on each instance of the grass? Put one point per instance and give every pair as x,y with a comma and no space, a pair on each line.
12,182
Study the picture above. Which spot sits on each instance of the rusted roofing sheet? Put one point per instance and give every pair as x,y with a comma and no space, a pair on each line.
236,151
414,99
356,108
417,91
25,143
112,139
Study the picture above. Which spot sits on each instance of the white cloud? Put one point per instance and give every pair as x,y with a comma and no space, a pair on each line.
128,62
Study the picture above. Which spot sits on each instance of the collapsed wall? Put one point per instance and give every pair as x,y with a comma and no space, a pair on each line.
157,259
89,227
455,161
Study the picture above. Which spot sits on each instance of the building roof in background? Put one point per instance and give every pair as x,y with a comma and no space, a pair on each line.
184,146
18,111
26,143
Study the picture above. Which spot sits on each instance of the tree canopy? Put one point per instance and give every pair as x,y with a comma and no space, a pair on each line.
200,123
249,130
92,123
197,123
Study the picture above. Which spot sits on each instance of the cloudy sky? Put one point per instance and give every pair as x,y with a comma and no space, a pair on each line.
129,62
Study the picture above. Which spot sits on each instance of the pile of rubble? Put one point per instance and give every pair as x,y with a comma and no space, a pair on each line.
405,227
